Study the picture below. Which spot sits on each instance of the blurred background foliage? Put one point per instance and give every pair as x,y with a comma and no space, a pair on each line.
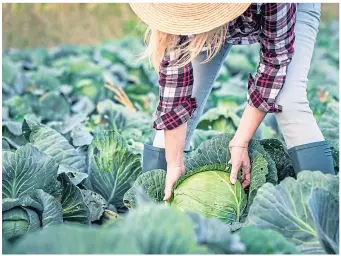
82,59
42,24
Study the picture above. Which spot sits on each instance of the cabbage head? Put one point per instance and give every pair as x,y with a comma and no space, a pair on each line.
209,191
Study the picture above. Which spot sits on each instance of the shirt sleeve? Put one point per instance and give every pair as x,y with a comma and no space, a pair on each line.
277,49
176,104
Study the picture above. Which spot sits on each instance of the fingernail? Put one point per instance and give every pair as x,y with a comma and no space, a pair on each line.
233,180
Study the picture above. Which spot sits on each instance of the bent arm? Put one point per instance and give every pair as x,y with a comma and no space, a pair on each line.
176,104
277,49
251,119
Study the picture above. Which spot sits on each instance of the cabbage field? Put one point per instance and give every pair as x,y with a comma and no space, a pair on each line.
74,121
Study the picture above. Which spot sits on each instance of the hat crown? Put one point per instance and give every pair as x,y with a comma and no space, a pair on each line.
188,18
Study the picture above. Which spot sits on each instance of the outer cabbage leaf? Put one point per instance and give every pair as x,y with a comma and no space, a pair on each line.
52,209
50,102
277,151
6,246
74,207
167,231
54,144
95,202
14,127
215,151
284,208
18,220
15,141
122,118
5,145
216,235
25,170
329,122
27,214
200,136
113,169
75,176
80,136
265,241
153,184
222,118
74,239
324,208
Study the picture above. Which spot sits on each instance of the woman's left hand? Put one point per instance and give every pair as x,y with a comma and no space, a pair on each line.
240,160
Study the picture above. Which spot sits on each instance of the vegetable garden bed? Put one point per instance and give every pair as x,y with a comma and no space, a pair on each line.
72,180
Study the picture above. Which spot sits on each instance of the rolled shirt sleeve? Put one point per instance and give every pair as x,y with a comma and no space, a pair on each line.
176,104
277,48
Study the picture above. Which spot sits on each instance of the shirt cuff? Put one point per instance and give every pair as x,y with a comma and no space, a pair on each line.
177,116
255,99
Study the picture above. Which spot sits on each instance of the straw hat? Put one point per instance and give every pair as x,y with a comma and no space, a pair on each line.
187,18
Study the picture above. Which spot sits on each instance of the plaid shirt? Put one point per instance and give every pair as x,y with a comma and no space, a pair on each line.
272,25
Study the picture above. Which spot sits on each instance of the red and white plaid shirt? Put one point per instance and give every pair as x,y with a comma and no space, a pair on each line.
272,25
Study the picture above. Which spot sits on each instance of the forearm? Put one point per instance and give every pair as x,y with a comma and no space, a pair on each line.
175,144
250,121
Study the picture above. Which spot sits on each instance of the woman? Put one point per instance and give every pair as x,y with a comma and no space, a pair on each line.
189,42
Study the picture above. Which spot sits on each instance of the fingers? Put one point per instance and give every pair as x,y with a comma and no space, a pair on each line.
245,177
173,174
247,180
234,172
168,191
246,168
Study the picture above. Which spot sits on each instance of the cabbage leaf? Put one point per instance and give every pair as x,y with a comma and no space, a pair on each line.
284,208
112,167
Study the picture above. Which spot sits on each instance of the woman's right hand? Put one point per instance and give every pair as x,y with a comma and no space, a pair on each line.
172,176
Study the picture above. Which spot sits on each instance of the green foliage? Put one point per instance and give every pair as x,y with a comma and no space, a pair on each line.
25,170
112,168
322,205
216,235
52,143
73,239
277,151
74,207
265,241
153,184
29,213
72,155
284,208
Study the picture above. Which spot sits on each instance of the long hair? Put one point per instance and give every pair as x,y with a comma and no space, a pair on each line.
159,43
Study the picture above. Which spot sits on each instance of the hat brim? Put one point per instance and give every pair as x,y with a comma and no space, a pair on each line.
187,18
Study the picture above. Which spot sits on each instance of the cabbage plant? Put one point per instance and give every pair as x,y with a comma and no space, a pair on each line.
30,213
208,163
306,217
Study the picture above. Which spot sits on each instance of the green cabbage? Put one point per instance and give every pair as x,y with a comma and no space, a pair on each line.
112,167
211,156
210,192
29,213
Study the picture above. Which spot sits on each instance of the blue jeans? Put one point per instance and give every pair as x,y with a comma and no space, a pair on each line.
296,121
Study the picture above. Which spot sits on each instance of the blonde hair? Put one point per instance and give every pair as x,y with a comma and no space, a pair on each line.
159,43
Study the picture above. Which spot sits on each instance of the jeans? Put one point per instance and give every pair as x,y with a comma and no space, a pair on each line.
296,121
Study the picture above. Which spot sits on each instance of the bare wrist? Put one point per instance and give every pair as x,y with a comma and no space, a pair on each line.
174,164
239,141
